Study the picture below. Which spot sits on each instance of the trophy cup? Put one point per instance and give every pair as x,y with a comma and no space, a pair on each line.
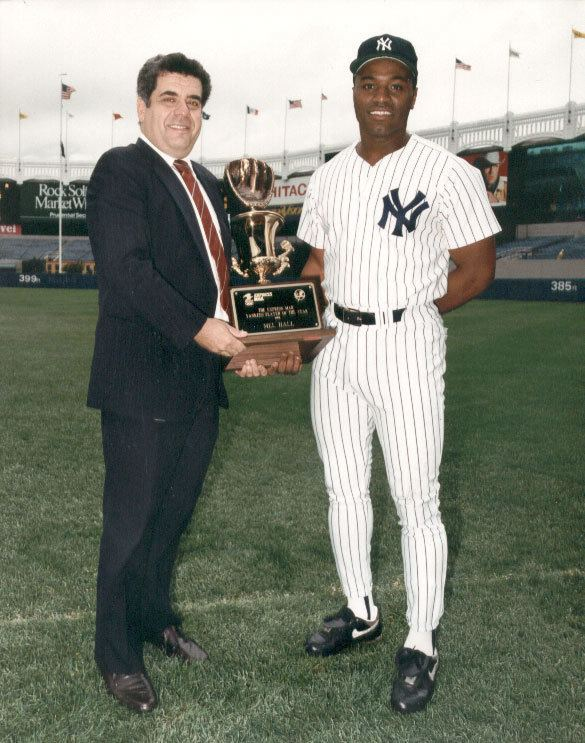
278,316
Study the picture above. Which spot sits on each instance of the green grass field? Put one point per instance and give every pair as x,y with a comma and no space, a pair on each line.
255,573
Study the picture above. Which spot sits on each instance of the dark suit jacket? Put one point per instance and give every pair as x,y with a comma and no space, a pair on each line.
156,288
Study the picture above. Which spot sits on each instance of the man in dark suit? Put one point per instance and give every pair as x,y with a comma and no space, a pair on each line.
155,222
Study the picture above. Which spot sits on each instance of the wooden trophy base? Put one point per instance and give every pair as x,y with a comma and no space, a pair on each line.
279,317
267,348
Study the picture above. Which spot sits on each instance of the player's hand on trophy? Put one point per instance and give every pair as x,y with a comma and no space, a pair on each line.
220,338
252,180
289,363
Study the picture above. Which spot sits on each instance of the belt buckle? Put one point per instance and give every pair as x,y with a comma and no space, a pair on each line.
354,317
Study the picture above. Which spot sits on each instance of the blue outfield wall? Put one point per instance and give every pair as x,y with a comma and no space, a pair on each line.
48,280
548,290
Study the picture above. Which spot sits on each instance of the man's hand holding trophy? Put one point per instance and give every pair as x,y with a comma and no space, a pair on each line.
283,319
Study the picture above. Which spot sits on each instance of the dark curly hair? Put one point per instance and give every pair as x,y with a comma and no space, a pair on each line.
176,62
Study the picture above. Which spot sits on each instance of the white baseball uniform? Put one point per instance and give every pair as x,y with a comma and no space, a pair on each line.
386,230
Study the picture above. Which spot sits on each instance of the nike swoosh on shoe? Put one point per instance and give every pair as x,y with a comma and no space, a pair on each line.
360,633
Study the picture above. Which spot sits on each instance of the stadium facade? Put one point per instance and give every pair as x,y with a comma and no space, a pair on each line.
533,168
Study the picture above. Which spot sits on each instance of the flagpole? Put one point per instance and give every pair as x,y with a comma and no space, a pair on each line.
19,123
453,106
245,129
571,67
204,117
284,140
320,126
112,132
508,86
61,76
66,141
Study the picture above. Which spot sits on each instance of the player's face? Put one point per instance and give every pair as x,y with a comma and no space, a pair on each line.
383,96
172,120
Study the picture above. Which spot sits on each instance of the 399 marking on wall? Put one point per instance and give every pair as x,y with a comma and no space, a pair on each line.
26,278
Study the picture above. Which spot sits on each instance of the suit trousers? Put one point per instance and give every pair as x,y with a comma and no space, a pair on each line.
154,471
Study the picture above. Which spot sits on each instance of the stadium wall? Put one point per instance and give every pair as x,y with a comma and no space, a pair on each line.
548,290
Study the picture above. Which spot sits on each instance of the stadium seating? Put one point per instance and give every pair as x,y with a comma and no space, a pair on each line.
542,248
27,247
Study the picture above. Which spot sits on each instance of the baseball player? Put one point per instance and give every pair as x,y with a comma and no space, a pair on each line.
383,218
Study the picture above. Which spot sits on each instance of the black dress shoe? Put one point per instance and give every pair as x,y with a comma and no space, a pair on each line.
133,690
176,645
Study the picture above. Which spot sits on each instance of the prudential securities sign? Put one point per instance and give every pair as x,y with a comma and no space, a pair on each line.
39,201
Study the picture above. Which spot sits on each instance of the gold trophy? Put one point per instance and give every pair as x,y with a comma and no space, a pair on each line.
279,317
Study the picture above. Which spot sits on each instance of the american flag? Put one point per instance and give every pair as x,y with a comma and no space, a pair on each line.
459,65
295,104
253,111
66,91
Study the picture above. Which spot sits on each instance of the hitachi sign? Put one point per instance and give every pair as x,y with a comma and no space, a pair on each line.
292,191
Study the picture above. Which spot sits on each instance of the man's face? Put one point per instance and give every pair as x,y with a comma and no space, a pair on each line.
172,121
491,174
383,96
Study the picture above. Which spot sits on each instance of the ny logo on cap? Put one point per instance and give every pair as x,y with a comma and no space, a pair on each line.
384,44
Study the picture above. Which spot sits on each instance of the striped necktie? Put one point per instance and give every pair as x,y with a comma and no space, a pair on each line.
211,235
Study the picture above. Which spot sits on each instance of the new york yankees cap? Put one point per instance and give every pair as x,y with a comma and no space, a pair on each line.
386,46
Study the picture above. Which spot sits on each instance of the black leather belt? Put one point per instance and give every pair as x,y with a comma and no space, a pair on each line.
356,317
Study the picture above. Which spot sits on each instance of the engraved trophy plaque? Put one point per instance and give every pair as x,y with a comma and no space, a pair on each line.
279,316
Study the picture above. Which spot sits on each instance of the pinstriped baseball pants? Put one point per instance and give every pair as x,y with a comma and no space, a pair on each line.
387,378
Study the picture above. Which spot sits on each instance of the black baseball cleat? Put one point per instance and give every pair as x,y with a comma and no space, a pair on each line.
341,630
415,680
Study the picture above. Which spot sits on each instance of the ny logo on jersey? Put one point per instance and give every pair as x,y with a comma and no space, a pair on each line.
393,206
384,44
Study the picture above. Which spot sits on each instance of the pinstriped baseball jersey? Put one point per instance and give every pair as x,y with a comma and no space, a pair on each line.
387,228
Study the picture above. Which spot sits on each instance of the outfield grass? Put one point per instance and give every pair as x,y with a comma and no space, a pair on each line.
255,573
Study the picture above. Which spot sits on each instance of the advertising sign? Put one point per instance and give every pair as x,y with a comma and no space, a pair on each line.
10,229
39,201
287,199
291,191
9,206
493,165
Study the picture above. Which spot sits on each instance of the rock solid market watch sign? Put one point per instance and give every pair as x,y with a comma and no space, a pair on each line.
39,200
